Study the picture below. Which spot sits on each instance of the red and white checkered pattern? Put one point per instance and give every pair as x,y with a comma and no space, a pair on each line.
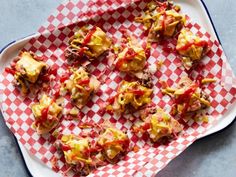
113,16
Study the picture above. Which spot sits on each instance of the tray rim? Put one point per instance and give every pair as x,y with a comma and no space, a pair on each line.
208,133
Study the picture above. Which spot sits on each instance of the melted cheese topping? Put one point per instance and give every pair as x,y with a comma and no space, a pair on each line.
29,67
136,63
170,19
76,148
45,102
99,42
193,52
163,125
127,94
109,136
80,93
45,124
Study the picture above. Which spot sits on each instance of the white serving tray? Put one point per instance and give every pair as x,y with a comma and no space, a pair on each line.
198,12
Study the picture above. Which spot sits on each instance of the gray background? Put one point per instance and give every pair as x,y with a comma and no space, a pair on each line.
213,156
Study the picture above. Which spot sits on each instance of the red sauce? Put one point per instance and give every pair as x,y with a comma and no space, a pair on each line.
43,118
138,92
84,82
89,36
163,21
111,100
199,80
44,114
146,126
64,77
81,52
87,39
56,94
185,98
188,45
129,55
10,70
65,147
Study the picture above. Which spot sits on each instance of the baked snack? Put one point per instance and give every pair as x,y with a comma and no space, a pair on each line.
162,19
130,97
114,143
89,42
47,114
158,124
129,56
188,97
80,85
191,47
27,70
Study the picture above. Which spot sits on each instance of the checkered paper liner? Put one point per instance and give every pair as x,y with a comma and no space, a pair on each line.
113,17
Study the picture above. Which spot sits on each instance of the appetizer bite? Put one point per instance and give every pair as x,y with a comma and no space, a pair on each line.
87,42
76,152
129,56
130,97
188,97
162,19
81,85
114,144
158,124
191,47
27,70
47,114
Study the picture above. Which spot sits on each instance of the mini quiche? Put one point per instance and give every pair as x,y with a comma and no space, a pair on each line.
114,143
130,97
158,124
47,114
191,47
130,56
162,19
80,85
76,153
27,71
188,97
87,42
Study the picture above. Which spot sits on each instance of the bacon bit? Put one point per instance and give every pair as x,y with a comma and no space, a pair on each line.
136,148
199,80
53,70
64,77
10,70
159,64
86,125
148,52
54,162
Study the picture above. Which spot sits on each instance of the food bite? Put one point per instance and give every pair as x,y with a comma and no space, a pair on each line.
47,114
89,42
81,86
130,97
191,47
158,124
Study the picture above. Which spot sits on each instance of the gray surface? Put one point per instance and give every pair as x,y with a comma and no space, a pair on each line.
213,156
